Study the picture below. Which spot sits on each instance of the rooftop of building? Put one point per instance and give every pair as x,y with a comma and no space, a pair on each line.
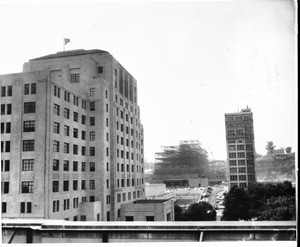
242,111
69,53
151,201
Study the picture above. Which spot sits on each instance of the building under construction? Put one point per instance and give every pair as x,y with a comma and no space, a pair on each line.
184,165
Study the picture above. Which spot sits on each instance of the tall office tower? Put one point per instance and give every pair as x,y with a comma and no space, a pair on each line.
71,138
240,147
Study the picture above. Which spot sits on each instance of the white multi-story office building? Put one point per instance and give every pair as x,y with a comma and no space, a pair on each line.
71,138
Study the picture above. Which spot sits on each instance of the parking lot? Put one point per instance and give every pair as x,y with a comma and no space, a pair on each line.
211,194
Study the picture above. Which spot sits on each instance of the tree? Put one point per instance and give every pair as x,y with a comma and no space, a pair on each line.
178,213
201,211
237,204
288,150
279,208
270,147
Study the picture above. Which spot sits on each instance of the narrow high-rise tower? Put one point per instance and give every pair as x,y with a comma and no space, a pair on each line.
240,147
71,138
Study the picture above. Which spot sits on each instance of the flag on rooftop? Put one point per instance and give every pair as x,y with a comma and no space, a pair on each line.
67,41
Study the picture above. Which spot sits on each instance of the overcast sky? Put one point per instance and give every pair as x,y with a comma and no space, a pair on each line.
194,61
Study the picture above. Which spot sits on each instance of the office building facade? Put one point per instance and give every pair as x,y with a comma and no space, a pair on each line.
71,138
240,148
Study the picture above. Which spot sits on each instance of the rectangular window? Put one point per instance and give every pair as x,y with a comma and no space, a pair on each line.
56,128
8,109
75,166
28,126
9,90
55,146
75,185
67,96
3,91
83,151
27,187
82,217
232,155
66,130
5,165
92,184
75,116
83,104
92,121
75,133
74,78
83,184
7,146
92,136
100,69
66,165
108,199
5,187
75,149
27,164
55,186
66,148
55,165
83,135
28,145
83,165
83,119
66,185
8,127
29,107
56,109
4,207
241,155
92,166
67,113
92,151
55,206
92,106
26,89
240,147
92,91
241,162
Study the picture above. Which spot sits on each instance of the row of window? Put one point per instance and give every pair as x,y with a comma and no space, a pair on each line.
26,187
121,182
66,185
66,205
25,207
249,147
66,149
122,196
6,91
242,177
138,168
66,166
242,170
238,118
30,88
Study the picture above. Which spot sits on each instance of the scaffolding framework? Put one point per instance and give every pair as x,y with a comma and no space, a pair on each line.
188,159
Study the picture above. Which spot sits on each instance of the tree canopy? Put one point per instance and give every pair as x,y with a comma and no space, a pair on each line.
271,201
270,147
201,211
237,204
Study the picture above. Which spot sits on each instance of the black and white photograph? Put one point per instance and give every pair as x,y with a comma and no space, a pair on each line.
149,122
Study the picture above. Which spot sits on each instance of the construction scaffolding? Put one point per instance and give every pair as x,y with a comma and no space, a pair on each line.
186,161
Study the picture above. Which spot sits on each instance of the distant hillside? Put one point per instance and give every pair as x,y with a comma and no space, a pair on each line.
275,167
